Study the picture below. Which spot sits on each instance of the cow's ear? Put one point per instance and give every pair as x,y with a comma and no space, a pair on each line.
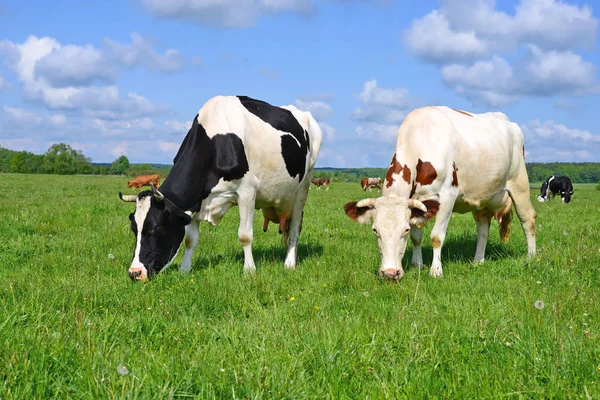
178,216
362,215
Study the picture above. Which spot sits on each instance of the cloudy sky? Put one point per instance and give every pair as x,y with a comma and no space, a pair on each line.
126,77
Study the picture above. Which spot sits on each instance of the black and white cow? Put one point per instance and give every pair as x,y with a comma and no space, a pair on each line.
554,185
239,151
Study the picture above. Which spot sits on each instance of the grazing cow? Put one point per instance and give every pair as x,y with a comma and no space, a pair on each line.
318,182
554,185
239,151
370,183
143,180
444,161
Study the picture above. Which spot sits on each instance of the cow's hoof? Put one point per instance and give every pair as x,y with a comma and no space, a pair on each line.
393,274
435,272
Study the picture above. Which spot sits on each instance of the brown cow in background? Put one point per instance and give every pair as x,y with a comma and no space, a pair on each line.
143,180
318,182
370,183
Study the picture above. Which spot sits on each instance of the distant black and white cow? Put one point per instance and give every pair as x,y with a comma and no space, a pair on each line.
554,185
239,151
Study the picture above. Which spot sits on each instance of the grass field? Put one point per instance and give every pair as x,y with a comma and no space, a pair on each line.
72,324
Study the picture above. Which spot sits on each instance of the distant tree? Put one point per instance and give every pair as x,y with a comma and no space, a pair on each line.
64,160
119,166
141,169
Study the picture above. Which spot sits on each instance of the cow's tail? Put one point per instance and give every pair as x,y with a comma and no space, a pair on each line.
505,226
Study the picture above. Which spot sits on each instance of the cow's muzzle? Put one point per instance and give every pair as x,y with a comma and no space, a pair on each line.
138,274
390,273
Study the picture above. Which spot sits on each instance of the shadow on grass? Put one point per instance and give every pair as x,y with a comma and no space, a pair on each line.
462,250
262,255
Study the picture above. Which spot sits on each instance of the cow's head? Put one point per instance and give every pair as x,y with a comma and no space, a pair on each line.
159,228
391,219
544,191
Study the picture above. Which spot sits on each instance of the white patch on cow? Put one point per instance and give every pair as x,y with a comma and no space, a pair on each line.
142,207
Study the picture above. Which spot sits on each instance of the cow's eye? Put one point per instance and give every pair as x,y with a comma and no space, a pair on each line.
375,232
406,231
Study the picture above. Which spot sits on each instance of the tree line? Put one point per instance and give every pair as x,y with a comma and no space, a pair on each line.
537,172
64,160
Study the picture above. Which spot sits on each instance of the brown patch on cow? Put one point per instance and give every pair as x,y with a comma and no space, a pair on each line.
188,242
433,207
426,173
395,168
462,112
245,239
454,175
406,174
436,243
354,212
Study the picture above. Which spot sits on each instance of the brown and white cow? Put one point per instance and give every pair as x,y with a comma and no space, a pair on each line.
447,160
318,182
143,180
371,183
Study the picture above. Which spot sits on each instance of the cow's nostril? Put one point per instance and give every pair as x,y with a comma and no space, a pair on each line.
134,275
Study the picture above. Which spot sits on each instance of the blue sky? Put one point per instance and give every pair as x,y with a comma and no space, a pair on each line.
127,77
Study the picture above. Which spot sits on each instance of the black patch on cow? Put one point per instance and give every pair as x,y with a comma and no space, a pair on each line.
200,163
295,146
230,158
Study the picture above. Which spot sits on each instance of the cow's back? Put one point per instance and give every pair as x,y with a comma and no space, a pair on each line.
268,135
478,153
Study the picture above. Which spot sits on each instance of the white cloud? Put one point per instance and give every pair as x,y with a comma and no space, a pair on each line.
386,133
381,105
547,141
466,30
178,127
496,83
328,131
319,109
3,84
75,65
432,39
472,41
141,53
169,147
235,13
101,101
224,13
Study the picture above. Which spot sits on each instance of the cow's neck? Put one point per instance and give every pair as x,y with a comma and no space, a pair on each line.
187,183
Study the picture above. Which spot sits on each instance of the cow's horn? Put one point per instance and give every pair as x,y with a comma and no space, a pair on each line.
157,195
127,197
412,203
370,202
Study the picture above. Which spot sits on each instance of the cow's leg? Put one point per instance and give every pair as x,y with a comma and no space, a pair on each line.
438,233
295,226
483,232
519,192
246,202
416,236
191,241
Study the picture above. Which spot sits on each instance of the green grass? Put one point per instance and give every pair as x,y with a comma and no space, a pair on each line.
70,317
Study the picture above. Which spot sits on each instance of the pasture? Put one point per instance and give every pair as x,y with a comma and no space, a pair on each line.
72,324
